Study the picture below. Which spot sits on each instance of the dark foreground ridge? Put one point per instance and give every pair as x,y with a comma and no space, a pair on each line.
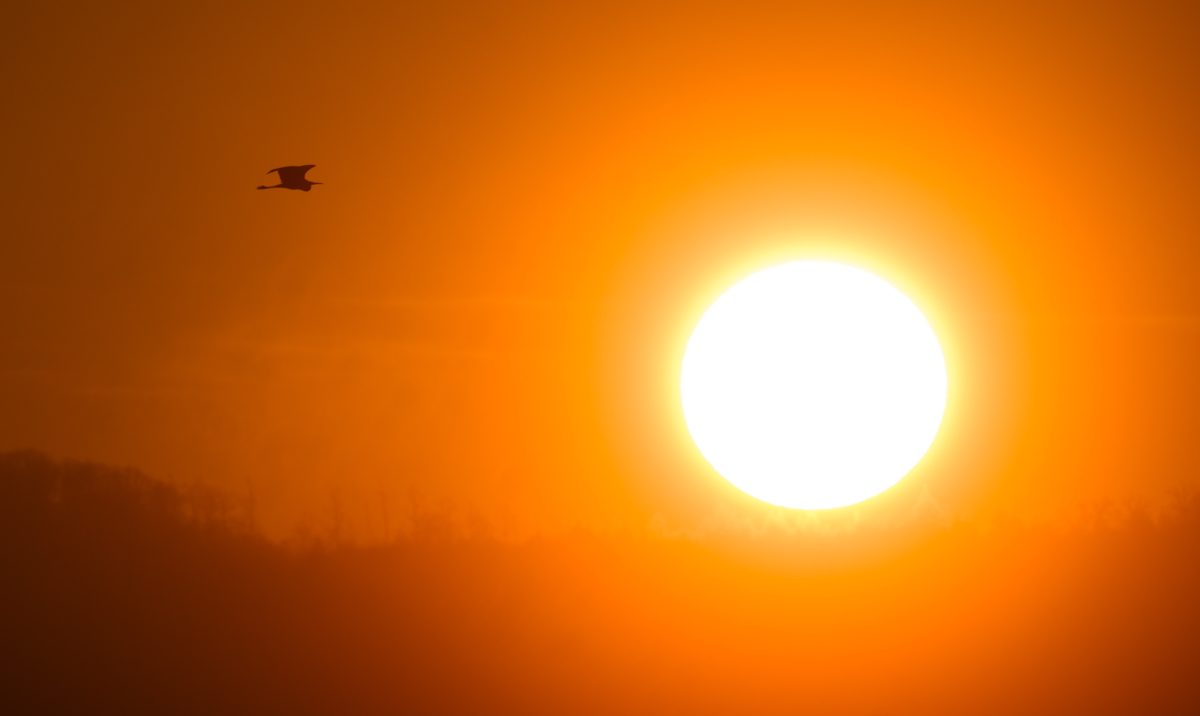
123,594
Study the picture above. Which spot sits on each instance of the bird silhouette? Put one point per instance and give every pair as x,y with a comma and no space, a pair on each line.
292,178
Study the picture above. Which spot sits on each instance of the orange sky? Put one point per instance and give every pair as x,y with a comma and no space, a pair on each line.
528,204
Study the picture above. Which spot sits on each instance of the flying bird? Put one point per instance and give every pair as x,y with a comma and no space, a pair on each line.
292,178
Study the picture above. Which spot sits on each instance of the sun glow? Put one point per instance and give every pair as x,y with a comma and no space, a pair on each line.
813,385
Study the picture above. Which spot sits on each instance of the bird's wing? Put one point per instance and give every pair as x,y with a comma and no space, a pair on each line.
292,174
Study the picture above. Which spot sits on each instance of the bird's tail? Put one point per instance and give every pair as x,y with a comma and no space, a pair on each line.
264,187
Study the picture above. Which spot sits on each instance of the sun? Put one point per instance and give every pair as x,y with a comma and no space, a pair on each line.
813,385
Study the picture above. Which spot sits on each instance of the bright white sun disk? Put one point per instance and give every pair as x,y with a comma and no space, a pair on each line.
813,385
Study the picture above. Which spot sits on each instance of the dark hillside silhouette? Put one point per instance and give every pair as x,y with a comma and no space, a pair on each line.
124,594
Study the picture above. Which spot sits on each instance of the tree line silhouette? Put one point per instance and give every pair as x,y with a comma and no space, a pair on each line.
125,594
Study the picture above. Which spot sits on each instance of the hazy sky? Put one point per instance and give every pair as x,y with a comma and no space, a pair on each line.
525,207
